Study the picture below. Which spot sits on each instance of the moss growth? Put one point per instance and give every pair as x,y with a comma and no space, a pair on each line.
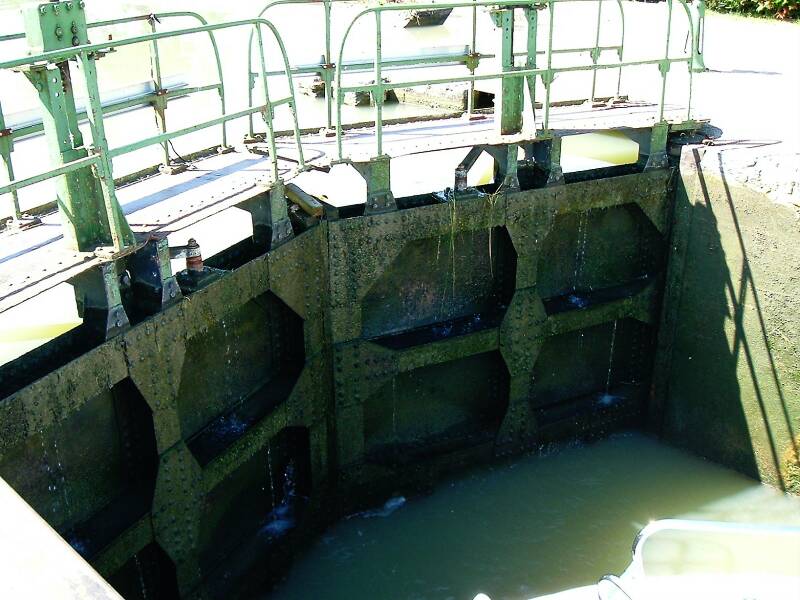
791,468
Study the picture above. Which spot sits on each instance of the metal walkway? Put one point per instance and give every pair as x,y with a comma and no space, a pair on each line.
100,221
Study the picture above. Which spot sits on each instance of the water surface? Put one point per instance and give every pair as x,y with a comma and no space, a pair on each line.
539,525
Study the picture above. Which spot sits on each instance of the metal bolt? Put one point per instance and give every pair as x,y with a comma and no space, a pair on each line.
42,10
59,32
74,27
82,4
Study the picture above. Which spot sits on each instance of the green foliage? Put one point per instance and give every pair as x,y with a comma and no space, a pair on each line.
780,9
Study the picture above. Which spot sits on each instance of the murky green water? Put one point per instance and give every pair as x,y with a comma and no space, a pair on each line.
540,525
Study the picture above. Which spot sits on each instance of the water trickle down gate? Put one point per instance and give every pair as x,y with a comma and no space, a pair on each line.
201,424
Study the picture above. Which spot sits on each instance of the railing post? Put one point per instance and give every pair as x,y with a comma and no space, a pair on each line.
268,114
698,12
472,64
548,76
532,14
506,162
664,65
511,99
160,102
6,147
86,199
378,89
595,52
327,71
376,173
99,298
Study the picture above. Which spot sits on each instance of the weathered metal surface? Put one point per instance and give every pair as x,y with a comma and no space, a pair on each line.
348,352
356,338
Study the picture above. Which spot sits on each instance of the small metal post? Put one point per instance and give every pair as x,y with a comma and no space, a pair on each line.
154,286
664,65
376,173
270,217
273,152
548,76
6,147
471,66
505,161
657,151
327,73
463,168
378,89
511,99
595,52
532,15
160,102
698,13
99,299
546,155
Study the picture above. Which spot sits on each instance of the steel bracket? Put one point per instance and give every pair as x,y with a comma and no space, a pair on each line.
546,157
154,286
270,215
99,299
463,168
505,160
160,100
652,145
377,174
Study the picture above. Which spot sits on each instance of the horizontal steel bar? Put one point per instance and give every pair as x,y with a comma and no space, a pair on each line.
62,170
68,53
507,74
121,21
163,137
119,106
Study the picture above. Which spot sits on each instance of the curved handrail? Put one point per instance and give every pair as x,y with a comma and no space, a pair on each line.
84,51
378,86
220,86
160,15
326,4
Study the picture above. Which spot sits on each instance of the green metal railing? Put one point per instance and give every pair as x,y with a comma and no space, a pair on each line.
511,78
102,155
509,71
158,98
325,70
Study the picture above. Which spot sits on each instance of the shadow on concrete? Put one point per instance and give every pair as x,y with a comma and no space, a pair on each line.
728,398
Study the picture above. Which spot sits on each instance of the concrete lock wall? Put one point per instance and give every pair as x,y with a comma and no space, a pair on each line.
732,333
361,358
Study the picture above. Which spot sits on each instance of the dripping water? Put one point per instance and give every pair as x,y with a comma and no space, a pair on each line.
580,249
607,398
140,575
453,245
394,411
269,473
282,517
